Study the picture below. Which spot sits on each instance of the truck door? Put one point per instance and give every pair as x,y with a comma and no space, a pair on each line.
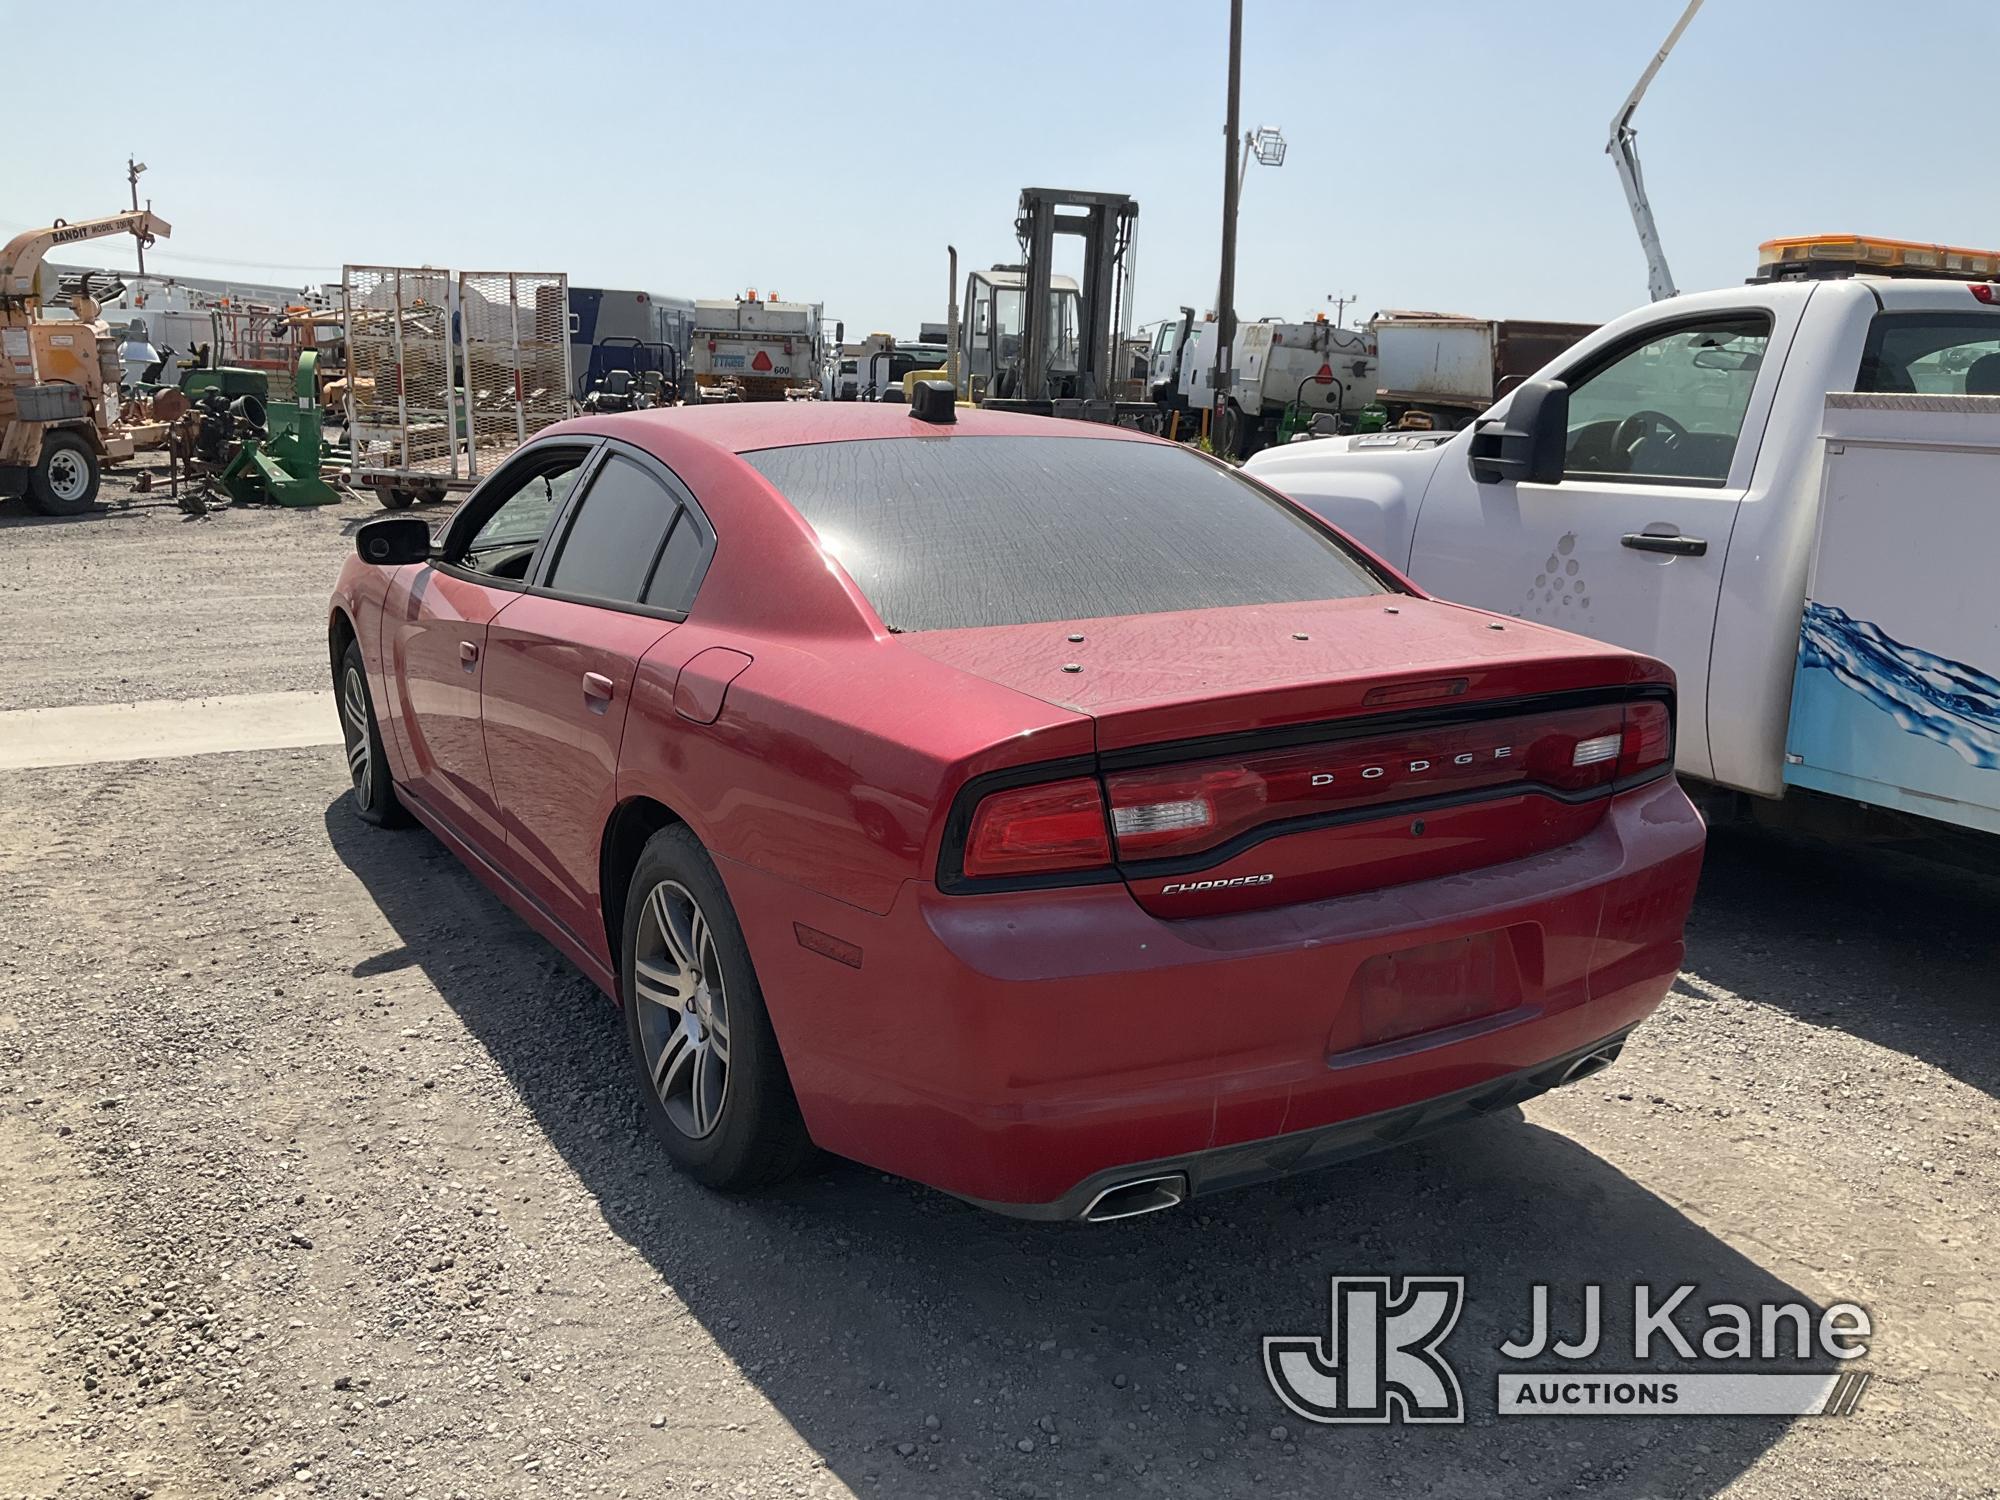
1628,547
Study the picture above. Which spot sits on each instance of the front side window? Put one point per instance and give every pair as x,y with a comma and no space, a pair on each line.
942,533
526,506
1670,409
1933,354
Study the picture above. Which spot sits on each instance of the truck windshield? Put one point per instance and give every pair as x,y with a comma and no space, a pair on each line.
945,533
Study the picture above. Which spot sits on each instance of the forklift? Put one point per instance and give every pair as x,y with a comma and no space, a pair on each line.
58,379
1028,340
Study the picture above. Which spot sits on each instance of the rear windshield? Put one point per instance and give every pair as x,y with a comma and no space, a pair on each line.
947,532
1933,354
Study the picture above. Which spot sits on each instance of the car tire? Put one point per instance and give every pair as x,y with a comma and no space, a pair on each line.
361,738
714,1082
65,478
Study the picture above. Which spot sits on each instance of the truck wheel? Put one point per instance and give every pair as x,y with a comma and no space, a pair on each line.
395,499
64,480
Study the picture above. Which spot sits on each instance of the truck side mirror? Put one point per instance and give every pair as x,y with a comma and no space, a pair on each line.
1527,445
391,541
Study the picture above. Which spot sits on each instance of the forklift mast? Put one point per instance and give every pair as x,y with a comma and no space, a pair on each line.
1104,223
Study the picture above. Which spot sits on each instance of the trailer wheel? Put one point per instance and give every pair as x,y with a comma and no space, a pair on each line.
64,480
395,499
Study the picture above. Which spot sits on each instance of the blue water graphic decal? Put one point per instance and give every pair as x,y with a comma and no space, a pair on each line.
1933,696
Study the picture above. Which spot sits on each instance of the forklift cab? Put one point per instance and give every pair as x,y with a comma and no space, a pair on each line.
994,322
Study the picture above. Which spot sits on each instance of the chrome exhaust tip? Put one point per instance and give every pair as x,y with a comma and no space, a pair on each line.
1142,1195
1589,1063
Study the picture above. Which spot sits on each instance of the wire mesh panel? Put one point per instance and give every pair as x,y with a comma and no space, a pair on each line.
403,411
517,358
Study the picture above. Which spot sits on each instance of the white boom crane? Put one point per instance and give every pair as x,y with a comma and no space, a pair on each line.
1624,149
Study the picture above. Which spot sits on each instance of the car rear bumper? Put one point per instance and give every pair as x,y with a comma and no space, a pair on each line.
1022,1050
1223,1167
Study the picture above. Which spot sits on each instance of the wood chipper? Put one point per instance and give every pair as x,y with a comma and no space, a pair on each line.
282,467
58,377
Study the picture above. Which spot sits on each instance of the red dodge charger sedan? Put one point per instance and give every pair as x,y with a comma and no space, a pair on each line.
1031,808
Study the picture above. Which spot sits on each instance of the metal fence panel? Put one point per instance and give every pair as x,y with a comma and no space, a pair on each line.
402,406
515,333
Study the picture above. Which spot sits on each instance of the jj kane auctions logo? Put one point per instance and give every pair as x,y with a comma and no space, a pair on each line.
1383,1360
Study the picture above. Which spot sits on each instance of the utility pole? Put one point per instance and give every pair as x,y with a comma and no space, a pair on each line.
133,168
1225,300
1340,301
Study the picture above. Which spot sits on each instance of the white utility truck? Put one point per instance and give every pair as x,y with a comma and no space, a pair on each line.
1281,377
747,349
1783,489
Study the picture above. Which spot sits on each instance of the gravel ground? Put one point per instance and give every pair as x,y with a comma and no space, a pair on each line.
325,1177
82,596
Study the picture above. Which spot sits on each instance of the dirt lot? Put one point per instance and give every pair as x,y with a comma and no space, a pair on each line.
324,1177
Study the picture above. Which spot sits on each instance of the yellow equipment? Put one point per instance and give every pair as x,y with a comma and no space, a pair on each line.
1818,255
56,376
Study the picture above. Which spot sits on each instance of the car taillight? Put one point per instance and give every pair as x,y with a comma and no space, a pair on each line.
1647,740
1038,830
1186,809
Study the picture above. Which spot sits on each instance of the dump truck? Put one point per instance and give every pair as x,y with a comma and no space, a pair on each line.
754,349
1440,370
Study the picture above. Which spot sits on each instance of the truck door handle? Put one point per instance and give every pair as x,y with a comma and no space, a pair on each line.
597,691
468,652
1679,546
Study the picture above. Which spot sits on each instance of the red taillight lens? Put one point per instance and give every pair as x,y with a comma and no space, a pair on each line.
1038,830
1188,809
1648,738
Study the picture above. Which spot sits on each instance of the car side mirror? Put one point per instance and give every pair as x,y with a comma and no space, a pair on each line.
392,541
1526,446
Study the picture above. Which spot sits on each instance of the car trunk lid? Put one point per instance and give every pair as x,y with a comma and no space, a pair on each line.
1270,754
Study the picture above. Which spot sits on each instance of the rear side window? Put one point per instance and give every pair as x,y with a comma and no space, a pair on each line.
681,564
618,531
947,532
1932,354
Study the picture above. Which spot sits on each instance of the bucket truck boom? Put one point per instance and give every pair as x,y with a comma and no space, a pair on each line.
1624,149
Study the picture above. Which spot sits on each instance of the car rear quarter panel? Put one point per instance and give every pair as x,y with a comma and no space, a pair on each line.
831,761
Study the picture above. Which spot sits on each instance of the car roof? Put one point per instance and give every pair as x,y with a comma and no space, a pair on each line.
747,426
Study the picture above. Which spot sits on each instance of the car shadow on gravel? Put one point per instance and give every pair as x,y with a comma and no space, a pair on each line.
924,1347
1896,948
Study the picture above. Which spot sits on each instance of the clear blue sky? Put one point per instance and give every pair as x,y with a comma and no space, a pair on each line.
1443,155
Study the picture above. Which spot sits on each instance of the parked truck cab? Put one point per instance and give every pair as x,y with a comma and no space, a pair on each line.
1682,515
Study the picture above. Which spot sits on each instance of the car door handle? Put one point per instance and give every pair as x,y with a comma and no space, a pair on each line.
468,652
597,690
1679,546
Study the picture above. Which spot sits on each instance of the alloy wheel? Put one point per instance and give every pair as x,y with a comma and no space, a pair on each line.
684,1009
354,724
